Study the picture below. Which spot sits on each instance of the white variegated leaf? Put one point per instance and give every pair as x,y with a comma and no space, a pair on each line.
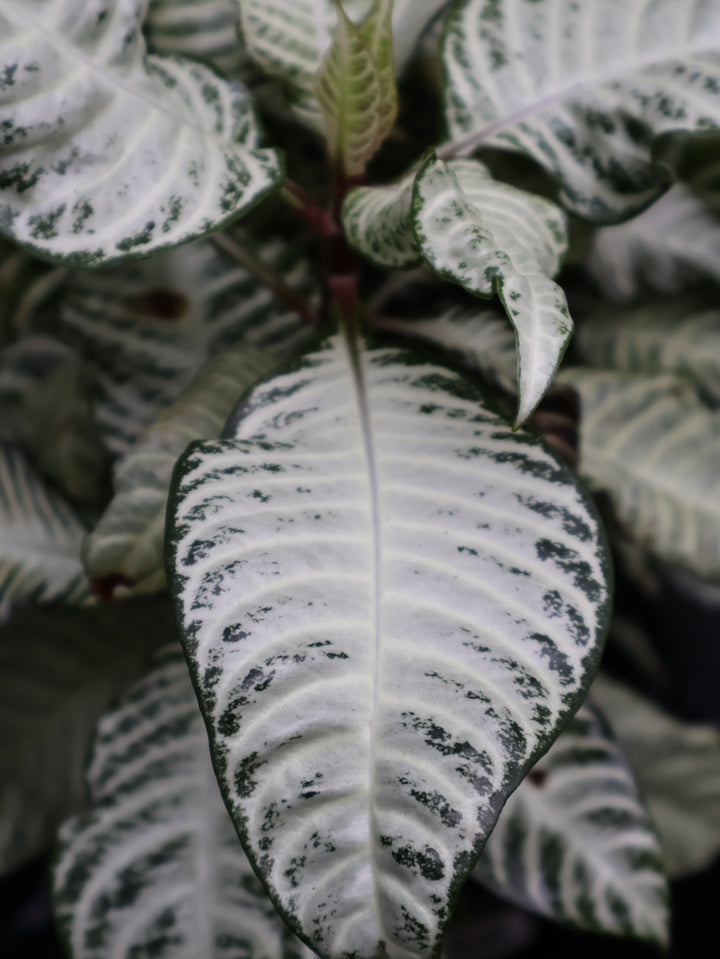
198,28
390,603
148,326
127,543
674,336
654,448
583,88
46,395
288,39
378,224
59,669
677,768
675,241
493,238
112,153
41,537
481,340
574,842
155,867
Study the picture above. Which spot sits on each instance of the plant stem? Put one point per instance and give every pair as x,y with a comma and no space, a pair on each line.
319,220
285,294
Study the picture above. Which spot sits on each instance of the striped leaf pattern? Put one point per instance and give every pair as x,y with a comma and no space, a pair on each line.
677,768
574,842
664,249
390,602
198,28
173,149
59,669
484,235
480,340
673,336
128,540
148,326
155,867
654,448
41,537
583,88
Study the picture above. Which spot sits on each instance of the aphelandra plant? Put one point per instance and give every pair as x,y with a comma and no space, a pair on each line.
336,431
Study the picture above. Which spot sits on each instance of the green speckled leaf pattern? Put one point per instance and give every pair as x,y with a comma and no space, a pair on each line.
112,153
481,340
155,867
41,537
677,768
583,88
378,224
664,249
128,540
654,448
493,238
198,28
390,602
672,336
59,670
574,841
148,326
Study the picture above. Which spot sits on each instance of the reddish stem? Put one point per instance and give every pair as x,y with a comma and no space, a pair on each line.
319,220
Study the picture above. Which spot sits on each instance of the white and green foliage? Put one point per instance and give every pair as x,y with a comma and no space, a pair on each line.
671,336
148,326
128,540
583,88
390,603
677,768
155,867
486,236
665,248
574,841
59,669
652,445
207,29
41,537
110,152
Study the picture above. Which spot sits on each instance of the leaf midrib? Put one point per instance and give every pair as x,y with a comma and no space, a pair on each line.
467,144
72,51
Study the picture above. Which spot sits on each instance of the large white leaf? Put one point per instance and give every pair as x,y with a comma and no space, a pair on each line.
110,152
674,336
653,446
677,767
59,669
41,537
583,88
148,326
155,867
127,543
574,842
675,241
390,602
288,39
199,28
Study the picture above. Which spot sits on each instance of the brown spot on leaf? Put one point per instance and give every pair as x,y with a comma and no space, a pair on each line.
537,777
161,303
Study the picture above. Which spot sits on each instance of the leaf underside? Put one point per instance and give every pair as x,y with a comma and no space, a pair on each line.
390,602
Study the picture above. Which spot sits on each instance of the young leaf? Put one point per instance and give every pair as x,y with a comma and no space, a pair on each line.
669,337
677,767
675,241
111,153
40,548
128,540
155,867
574,842
585,90
357,94
654,448
148,326
207,29
390,603
59,669
378,223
